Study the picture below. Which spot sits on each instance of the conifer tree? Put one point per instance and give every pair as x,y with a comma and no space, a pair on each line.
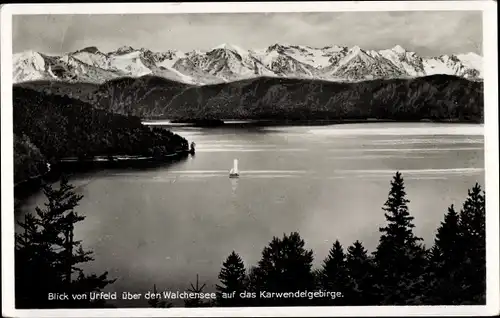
360,271
157,303
197,289
285,266
399,257
233,280
333,275
47,255
472,230
316,273
252,286
445,258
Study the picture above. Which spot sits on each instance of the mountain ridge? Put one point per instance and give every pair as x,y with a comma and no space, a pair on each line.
227,62
435,98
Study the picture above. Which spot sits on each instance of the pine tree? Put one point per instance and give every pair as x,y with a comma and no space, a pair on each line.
233,282
360,271
445,258
197,289
399,258
472,230
252,283
157,303
47,255
333,276
35,277
285,266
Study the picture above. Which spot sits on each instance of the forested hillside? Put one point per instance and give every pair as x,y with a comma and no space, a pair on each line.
51,127
437,97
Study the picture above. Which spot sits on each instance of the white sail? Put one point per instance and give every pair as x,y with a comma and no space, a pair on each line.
235,166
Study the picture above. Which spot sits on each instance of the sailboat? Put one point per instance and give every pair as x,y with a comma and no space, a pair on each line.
234,173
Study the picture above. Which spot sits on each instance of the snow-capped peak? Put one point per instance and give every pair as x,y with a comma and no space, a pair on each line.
399,49
226,46
276,47
355,50
472,61
231,47
124,49
89,49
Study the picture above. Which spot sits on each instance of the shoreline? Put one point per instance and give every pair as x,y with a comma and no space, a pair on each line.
72,166
273,123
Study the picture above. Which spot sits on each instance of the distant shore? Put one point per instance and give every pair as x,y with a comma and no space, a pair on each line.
272,122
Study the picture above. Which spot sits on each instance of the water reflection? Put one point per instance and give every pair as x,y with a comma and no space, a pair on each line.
234,185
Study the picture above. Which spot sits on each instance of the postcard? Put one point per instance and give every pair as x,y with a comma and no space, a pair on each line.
250,159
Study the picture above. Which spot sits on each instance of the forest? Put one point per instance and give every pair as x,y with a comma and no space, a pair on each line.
49,127
400,271
440,98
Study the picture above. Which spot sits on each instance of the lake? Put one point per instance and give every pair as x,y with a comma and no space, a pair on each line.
165,225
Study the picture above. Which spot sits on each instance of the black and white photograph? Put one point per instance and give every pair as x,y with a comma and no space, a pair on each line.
242,158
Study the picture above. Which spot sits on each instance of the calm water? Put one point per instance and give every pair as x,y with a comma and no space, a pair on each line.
165,225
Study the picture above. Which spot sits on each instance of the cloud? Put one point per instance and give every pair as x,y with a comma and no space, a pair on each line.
427,33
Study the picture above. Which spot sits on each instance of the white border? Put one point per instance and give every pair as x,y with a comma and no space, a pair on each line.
489,9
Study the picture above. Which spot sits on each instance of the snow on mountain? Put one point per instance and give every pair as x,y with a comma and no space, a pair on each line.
315,57
228,62
233,48
358,64
410,62
225,62
131,63
451,65
276,60
472,61
29,66
92,56
168,59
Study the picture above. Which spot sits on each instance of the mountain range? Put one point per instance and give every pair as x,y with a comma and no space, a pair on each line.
228,63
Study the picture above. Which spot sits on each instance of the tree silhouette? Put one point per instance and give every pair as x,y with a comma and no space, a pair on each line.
333,275
399,258
233,280
472,229
360,270
47,255
196,302
157,303
445,255
285,266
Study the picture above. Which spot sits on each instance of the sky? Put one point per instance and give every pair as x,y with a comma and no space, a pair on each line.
428,33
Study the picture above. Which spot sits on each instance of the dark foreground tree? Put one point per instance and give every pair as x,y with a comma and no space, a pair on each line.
285,267
156,302
457,263
360,270
473,243
333,276
233,280
197,289
445,258
399,257
47,256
